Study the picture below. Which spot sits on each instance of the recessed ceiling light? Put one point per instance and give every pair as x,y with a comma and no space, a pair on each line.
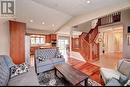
88,1
53,25
31,21
43,22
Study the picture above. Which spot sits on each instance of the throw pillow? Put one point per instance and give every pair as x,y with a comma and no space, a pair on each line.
41,59
18,69
123,79
58,55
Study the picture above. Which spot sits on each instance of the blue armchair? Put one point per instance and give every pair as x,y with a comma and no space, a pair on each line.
117,77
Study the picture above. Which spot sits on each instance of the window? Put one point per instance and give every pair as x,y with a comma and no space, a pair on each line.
32,40
62,43
37,40
42,40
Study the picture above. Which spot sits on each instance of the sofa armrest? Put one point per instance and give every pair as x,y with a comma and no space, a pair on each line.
108,74
113,82
25,79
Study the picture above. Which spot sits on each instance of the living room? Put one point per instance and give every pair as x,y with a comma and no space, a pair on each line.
64,43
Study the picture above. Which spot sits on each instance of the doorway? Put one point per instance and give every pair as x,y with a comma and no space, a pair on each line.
111,39
111,46
63,43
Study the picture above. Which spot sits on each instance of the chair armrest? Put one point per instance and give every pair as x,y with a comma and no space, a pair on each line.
113,82
128,83
108,74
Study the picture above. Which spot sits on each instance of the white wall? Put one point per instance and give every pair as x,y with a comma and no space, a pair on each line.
85,27
126,23
36,31
27,49
4,37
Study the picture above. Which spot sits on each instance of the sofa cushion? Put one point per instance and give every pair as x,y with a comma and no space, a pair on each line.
56,60
124,68
46,53
4,72
113,82
44,63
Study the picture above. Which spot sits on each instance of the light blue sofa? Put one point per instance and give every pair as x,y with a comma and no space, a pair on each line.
117,77
50,57
26,79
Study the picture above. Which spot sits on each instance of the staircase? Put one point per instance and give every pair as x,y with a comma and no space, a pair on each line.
89,48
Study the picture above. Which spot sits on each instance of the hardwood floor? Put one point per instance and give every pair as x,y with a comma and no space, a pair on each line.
89,69
109,60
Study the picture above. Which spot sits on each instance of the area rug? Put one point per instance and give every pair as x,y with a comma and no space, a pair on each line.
49,79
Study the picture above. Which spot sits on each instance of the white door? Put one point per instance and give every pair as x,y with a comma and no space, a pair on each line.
27,49
62,44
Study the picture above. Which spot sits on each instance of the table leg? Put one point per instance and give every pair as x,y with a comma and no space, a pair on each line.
86,82
55,72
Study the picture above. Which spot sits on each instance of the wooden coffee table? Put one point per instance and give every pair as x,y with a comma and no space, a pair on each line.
74,76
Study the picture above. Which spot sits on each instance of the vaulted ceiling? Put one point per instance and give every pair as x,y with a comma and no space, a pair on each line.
78,7
57,13
27,10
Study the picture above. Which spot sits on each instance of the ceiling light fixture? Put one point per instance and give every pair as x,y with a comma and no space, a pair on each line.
88,1
31,21
43,22
53,25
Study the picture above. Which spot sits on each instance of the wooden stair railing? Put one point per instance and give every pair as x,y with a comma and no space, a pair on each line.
94,34
89,48
85,48
95,51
